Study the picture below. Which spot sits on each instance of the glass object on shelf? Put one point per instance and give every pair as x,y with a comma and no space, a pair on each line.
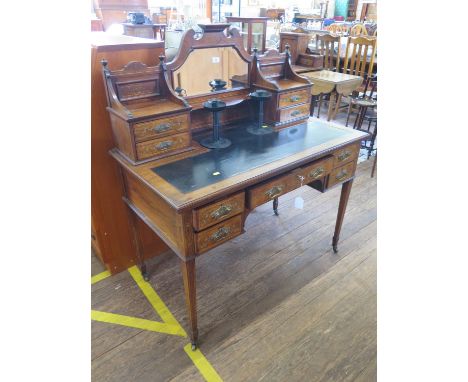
257,35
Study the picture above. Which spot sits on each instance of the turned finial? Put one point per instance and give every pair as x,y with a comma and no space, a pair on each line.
104,63
286,49
255,51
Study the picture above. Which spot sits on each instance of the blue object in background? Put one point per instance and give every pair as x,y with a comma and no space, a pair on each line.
328,22
341,8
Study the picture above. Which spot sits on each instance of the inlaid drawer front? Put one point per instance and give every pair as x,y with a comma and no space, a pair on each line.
265,192
160,127
316,170
293,98
218,211
295,112
162,146
342,174
347,154
218,234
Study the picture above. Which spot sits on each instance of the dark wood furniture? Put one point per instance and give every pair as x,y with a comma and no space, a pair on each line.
115,11
199,199
153,31
301,58
253,31
111,231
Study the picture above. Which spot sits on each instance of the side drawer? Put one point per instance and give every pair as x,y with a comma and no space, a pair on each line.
160,127
162,146
346,154
265,192
293,98
295,112
342,174
316,170
218,234
218,211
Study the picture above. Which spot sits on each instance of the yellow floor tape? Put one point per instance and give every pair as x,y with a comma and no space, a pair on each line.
202,364
138,323
99,277
169,325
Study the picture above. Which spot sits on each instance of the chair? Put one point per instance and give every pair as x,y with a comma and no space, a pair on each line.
358,30
325,45
356,60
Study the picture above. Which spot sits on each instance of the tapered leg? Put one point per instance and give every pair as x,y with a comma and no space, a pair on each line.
331,105
319,105
188,274
345,191
275,206
138,246
312,105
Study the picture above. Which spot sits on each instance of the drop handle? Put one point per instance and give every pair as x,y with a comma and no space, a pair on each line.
344,155
162,127
315,174
164,145
220,234
341,176
294,98
295,112
221,211
274,191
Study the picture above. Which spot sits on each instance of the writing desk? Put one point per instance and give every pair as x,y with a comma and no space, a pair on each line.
197,200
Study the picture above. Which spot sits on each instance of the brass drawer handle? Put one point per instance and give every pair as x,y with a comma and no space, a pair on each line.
221,211
341,176
294,98
315,174
164,145
274,191
295,112
162,127
220,234
345,155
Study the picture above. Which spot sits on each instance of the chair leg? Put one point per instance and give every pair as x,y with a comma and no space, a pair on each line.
275,206
320,105
374,135
312,105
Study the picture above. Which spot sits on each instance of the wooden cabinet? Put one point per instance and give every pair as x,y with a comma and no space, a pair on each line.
112,237
115,11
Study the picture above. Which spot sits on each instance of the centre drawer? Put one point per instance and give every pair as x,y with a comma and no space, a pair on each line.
294,98
270,190
161,127
162,146
316,170
218,234
218,211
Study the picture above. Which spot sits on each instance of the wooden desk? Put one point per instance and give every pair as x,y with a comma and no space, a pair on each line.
198,200
326,82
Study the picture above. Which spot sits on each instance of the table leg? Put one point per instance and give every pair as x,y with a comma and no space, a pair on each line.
345,191
188,275
337,106
275,206
139,249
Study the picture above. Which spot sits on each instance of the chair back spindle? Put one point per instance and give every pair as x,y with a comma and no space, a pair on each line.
325,44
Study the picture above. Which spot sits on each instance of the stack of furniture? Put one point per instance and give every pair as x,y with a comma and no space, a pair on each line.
198,199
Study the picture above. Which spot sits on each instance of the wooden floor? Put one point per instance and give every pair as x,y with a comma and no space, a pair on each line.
275,304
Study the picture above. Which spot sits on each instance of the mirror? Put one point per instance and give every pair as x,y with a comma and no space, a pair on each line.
205,65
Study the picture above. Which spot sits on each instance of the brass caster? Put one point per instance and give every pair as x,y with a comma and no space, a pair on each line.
335,248
194,346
